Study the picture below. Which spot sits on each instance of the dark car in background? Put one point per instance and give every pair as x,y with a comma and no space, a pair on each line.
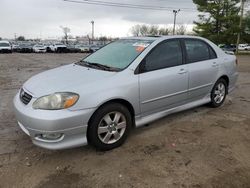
94,48
25,48
228,47
73,49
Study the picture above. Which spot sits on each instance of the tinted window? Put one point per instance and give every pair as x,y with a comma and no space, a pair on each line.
119,54
167,54
196,51
212,53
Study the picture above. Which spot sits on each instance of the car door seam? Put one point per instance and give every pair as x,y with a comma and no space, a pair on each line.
165,96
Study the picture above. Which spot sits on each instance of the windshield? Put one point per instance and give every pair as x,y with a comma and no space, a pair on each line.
119,54
4,44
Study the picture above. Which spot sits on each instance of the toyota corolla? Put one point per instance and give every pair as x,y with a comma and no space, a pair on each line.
126,84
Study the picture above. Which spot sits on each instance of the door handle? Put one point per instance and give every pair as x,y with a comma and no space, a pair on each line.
214,64
182,71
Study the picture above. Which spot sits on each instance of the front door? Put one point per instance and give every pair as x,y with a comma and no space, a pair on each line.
163,78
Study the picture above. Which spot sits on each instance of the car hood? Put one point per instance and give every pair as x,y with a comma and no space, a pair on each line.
64,79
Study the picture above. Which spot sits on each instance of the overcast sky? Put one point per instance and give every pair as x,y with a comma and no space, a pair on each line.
43,18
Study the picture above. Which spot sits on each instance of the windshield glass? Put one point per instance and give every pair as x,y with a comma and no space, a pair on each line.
4,44
119,54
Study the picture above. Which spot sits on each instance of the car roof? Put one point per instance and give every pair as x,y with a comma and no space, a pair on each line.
155,38
4,41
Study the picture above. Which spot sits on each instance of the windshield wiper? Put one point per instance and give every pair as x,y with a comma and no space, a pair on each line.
97,65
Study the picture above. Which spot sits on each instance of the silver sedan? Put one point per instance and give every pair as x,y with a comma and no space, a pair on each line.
126,84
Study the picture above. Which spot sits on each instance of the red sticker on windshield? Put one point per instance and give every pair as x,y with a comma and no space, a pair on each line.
140,48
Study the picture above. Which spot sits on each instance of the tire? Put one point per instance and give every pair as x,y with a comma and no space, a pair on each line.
103,132
219,93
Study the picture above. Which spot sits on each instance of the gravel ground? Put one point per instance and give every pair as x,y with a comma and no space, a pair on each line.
201,147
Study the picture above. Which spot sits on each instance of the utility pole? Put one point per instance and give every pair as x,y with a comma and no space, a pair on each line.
93,27
175,13
240,25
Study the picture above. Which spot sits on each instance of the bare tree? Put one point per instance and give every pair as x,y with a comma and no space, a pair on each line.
66,32
144,30
165,31
181,30
153,30
135,30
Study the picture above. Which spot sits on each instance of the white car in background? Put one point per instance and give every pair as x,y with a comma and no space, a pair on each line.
5,47
244,47
58,47
39,48
84,48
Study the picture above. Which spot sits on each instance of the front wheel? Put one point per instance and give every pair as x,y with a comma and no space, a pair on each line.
109,126
218,94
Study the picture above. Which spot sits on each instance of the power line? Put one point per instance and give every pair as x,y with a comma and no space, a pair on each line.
130,4
126,5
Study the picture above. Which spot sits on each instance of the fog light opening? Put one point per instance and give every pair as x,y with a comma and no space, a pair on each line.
51,136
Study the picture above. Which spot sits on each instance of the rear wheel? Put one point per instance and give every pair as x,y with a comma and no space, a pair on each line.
219,92
109,126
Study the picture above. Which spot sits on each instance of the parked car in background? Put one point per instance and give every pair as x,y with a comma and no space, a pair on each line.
25,48
127,83
58,48
83,48
94,48
73,49
39,48
228,47
5,47
14,47
244,47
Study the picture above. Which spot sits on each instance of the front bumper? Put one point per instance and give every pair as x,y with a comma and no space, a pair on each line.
40,50
72,125
5,50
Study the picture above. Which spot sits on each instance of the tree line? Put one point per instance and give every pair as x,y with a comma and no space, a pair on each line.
147,30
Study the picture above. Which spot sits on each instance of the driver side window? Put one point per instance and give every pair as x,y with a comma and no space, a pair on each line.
165,55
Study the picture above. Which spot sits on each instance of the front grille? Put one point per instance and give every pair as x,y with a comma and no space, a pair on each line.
25,97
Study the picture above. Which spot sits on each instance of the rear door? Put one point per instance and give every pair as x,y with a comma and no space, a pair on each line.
203,68
163,78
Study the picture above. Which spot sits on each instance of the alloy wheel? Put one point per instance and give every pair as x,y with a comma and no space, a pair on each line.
112,127
219,93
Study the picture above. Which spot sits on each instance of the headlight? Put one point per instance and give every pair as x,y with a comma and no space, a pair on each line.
56,101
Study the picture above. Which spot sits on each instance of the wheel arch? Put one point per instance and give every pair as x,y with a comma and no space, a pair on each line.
123,102
226,78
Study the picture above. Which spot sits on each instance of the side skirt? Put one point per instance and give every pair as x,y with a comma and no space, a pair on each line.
140,121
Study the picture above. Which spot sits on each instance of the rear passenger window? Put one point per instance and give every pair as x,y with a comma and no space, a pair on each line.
197,50
166,54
